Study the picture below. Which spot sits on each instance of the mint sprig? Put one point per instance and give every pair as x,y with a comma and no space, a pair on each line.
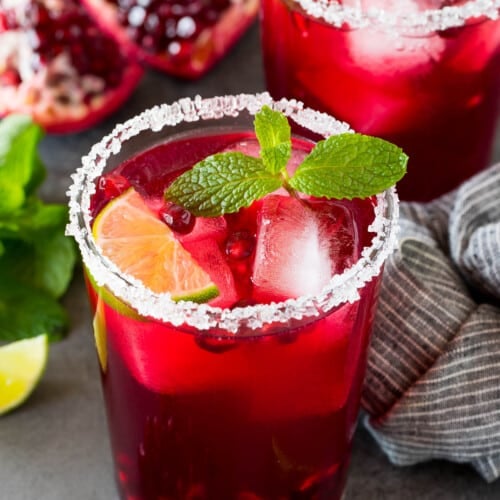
36,259
342,166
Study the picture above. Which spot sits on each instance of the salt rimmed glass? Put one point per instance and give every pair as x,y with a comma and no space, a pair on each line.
259,363
343,287
427,79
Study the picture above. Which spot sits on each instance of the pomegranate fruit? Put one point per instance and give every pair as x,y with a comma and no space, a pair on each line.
58,66
181,37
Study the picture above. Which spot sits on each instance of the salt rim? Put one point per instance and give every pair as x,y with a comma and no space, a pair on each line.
342,288
426,21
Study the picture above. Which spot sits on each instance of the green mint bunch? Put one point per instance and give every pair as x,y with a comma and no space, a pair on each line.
342,166
36,259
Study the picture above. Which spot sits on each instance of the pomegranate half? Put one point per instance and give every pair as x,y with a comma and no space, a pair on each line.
183,38
58,66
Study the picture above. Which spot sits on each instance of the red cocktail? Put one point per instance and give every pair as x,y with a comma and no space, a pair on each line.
426,80
255,393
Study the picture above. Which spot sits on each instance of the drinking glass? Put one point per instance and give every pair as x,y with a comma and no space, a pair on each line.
257,401
423,74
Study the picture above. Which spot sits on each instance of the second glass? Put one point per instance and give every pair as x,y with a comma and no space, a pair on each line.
427,80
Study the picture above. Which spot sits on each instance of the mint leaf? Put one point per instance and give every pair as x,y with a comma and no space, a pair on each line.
36,252
36,259
222,183
274,136
26,312
11,196
33,220
46,264
350,166
19,161
38,175
55,258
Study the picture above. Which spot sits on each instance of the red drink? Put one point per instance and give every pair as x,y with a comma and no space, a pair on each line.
252,406
433,92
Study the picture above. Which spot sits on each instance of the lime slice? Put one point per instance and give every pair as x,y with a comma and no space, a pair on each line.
142,246
104,295
22,363
99,325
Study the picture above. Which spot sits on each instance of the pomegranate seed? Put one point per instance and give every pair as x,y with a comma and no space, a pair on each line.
186,27
37,14
152,23
136,16
126,4
177,218
240,245
3,22
179,50
287,337
70,30
170,28
215,345
169,22
165,10
10,77
112,185
244,303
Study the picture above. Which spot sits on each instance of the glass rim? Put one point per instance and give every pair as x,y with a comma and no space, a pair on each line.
342,288
425,21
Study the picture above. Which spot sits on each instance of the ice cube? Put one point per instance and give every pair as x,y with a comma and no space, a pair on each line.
248,147
292,257
337,230
383,52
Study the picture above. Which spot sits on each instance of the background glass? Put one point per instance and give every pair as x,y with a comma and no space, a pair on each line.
429,81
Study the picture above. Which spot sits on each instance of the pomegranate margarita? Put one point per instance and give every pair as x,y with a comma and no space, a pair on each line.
425,78
232,347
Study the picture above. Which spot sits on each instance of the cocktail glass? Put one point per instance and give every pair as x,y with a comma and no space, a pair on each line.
254,401
425,78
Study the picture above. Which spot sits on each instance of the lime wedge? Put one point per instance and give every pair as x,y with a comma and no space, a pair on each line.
141,245
99,325
22,364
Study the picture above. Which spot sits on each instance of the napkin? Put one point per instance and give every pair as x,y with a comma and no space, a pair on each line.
432,389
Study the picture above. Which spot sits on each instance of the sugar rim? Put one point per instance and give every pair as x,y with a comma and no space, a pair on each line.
426,21
342,288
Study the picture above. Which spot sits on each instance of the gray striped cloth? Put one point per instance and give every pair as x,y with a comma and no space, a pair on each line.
433,379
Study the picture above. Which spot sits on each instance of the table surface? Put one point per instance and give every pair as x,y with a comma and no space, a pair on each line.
55,446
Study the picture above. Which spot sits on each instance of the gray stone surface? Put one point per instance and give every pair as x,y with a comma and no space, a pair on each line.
55,446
